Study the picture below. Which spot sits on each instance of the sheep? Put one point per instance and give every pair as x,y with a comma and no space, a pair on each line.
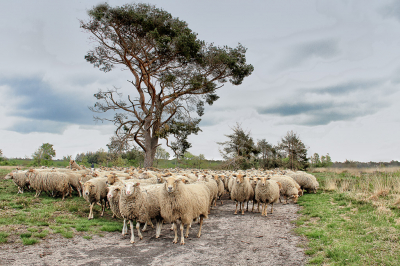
241,191
113,196
184,202
74,165
49,182
95,190
267,191
253,183
212,186
20,179
289,187
221,188
306,181
140,205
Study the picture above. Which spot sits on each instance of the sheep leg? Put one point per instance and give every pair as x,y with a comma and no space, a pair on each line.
124,228
176,233
138,230
132,232
285,199
182,226
37,193
252,209
258,207
272,207
247,208
158,228
187,230
243,207
295,198
221,200
91,211
201,224
144,227
236,207
172,227
103,207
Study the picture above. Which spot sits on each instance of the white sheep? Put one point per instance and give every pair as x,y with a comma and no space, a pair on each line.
267,192
241,191
95,190
183,203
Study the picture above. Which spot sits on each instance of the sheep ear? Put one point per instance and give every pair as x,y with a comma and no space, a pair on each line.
178,179
137,184
244,175
279,184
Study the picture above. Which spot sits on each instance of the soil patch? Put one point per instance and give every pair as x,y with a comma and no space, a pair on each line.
226,239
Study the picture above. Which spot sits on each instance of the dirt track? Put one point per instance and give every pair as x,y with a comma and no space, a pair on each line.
226,239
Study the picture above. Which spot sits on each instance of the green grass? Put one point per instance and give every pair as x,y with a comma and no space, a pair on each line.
46,215
343,230
29,241
3,237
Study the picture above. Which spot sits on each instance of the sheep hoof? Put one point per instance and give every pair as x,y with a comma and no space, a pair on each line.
132,242
175,241
198,235
157,237
235,213
182,243
141,237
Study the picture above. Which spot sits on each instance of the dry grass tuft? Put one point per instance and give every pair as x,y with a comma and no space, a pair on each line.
330,185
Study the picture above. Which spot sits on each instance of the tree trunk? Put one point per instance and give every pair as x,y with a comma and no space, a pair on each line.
150,143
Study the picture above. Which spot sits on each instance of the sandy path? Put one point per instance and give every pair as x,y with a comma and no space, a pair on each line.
226,239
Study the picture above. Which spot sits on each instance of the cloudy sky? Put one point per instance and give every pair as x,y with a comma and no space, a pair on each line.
328,70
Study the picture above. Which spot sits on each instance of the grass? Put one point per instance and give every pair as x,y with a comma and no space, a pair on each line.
353,220
26,219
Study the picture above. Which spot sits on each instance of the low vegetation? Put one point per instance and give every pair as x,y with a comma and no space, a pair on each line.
354,219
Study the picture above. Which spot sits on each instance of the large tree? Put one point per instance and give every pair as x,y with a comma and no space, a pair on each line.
173,72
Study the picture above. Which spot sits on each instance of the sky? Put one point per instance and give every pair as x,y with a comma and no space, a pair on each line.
328,70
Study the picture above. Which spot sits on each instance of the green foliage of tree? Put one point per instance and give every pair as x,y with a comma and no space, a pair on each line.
239,150
44,155
295,151
324,161
174,73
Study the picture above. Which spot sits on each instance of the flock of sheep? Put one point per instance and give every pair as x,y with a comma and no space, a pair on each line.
174,196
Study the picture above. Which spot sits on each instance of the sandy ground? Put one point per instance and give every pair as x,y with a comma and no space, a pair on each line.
226,239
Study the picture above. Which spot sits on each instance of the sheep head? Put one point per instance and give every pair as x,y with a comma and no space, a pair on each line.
171,184
113,191
240,178
131,188
87,187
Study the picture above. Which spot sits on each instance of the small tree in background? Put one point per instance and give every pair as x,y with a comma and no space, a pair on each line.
239,150
1,155
295,150
161,154
44,155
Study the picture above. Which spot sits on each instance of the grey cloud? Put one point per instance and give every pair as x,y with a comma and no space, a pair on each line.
391,10
303,109
295,108
346,88
39,101
41,126
324,49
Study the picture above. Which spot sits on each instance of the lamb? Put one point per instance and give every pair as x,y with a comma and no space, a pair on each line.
140,205
289,187
20,179
184,202
267,191
241,191
95,190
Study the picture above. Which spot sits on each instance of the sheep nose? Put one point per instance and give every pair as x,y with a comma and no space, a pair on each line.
169,189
